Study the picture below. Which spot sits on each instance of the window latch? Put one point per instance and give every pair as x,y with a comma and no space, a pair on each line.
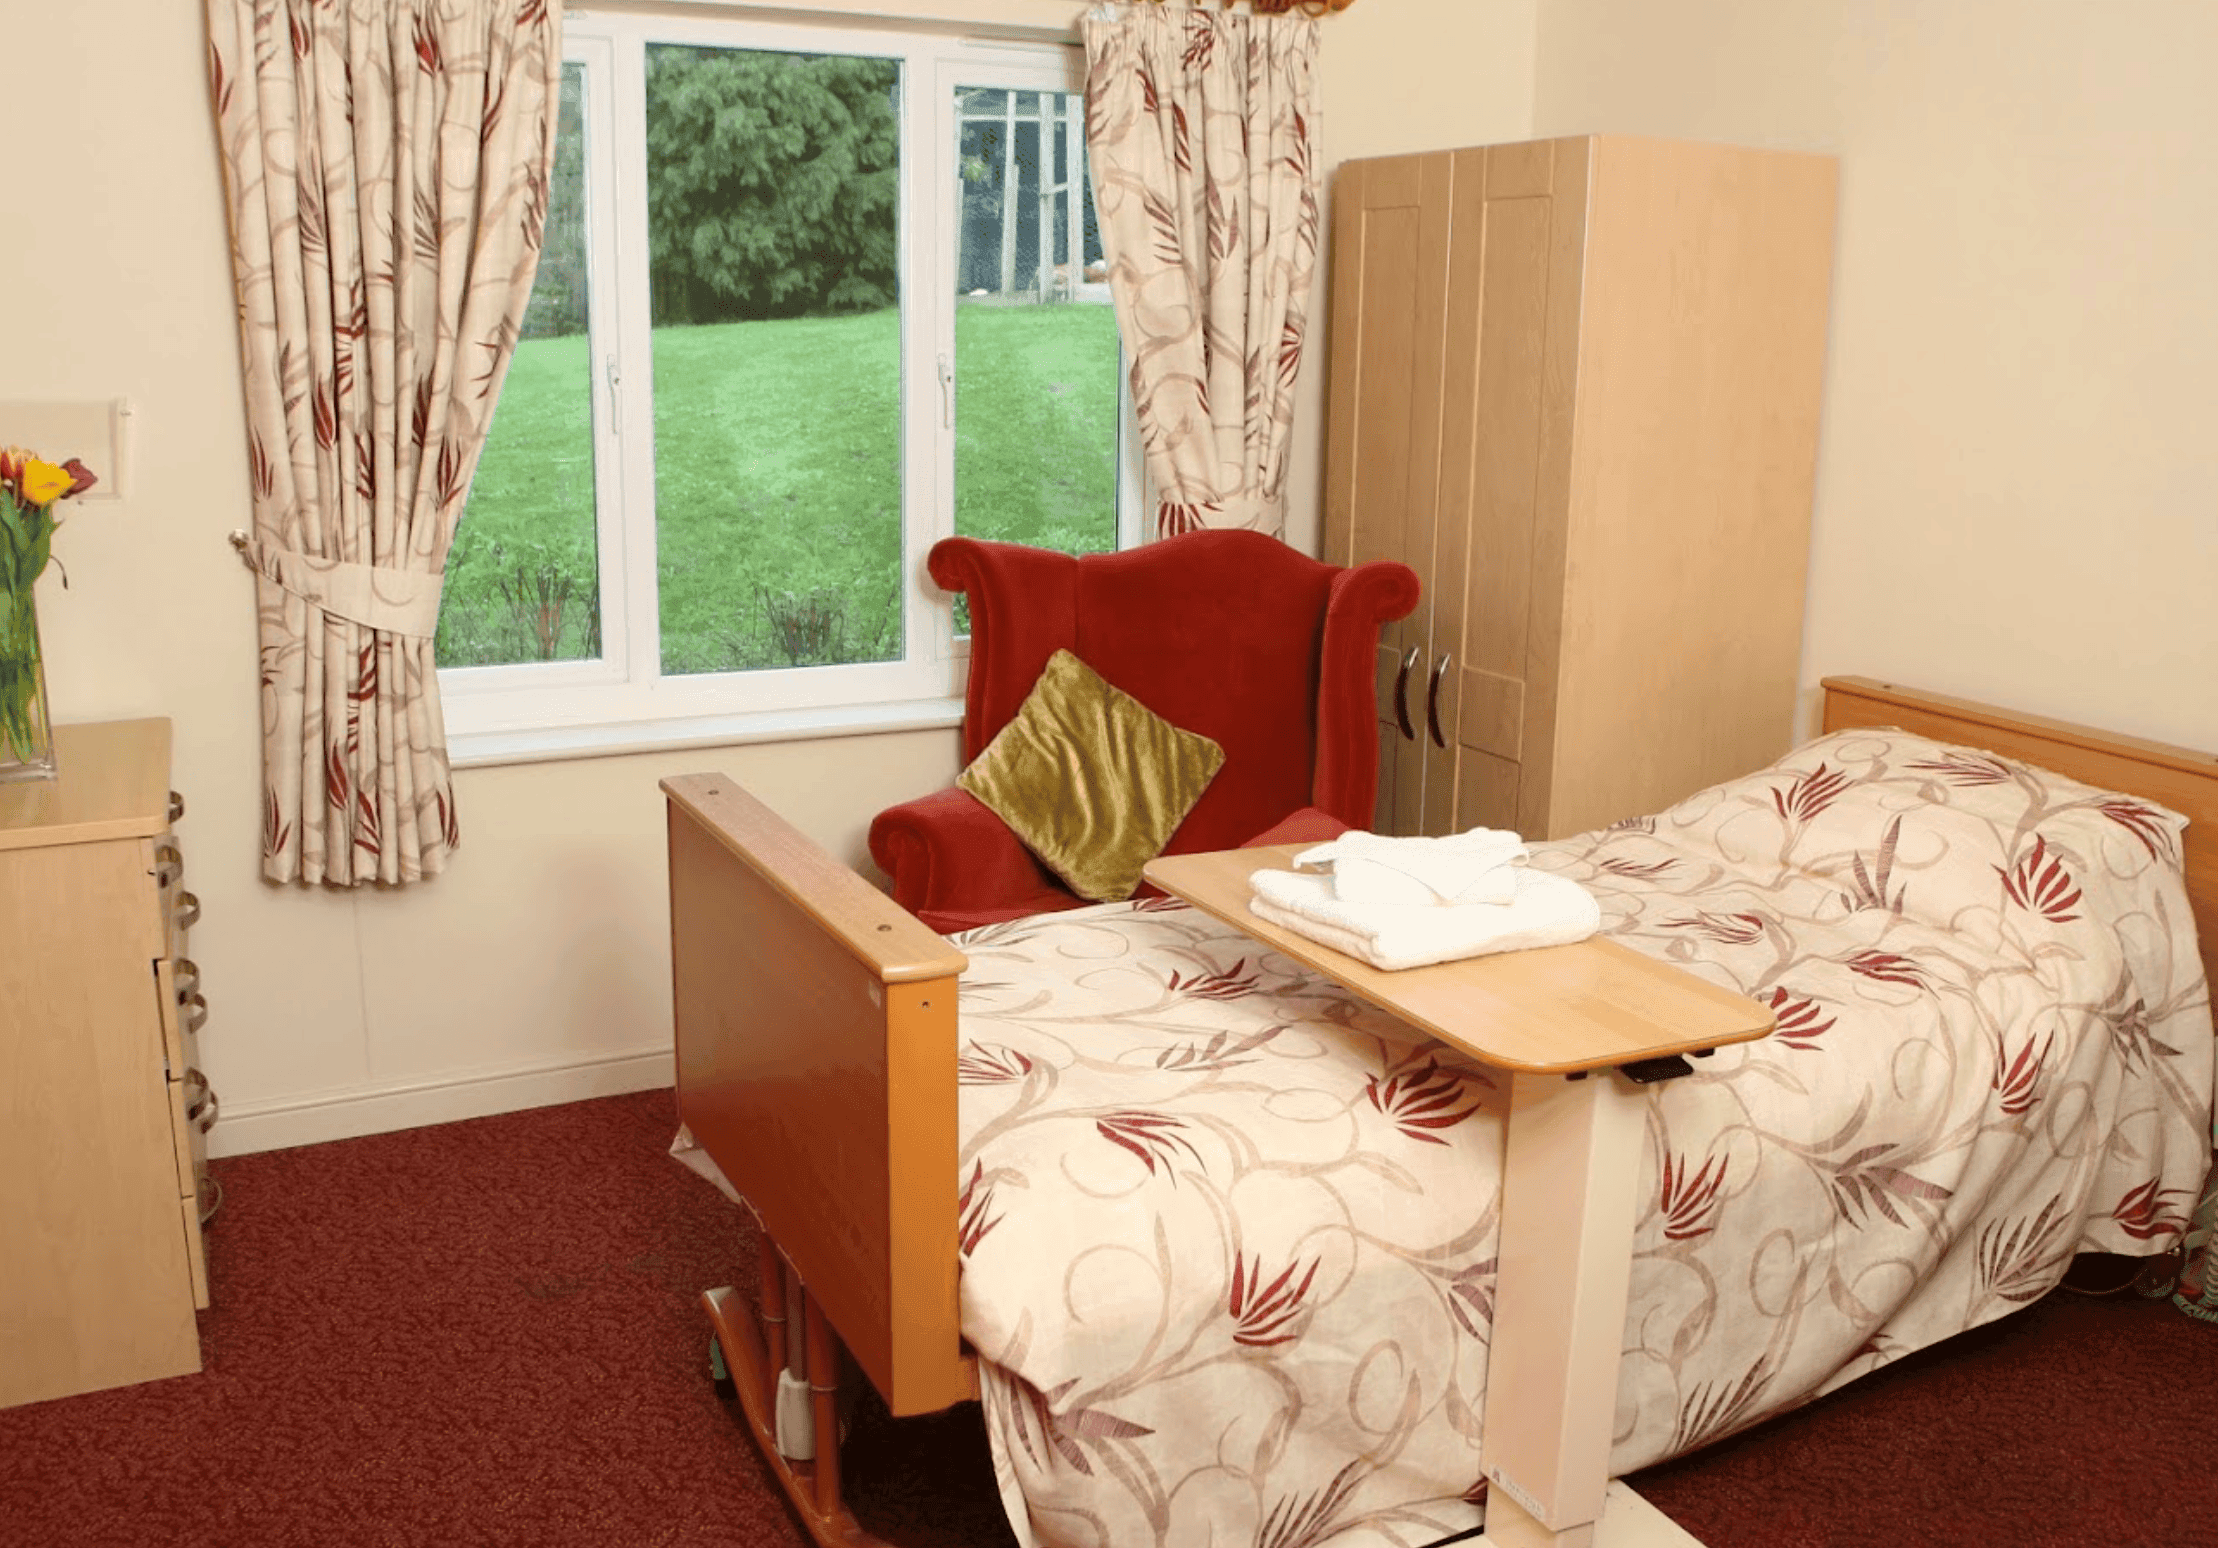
615,382
947,393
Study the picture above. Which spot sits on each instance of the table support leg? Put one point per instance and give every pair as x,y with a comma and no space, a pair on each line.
1571,1170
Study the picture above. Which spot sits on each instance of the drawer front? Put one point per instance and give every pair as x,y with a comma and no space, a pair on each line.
196,1250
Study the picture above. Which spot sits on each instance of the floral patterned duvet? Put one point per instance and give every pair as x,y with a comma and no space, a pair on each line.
1228,1232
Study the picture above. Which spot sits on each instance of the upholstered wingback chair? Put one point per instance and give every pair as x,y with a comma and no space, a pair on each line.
1232,634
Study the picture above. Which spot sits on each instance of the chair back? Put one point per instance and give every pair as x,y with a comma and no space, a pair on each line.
1231,634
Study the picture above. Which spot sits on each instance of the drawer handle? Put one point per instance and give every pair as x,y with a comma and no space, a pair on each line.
201,1109
208,1195
187,979
186,912
169,864
176,806
195,1007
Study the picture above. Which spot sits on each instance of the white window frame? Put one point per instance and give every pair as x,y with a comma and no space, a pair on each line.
623,702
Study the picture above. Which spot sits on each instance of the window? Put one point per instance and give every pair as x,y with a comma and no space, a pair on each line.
811,299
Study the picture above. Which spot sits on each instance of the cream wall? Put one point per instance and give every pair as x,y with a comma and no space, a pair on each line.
536,968
2018,478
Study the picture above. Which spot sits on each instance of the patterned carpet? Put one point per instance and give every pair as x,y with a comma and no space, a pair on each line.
487,1333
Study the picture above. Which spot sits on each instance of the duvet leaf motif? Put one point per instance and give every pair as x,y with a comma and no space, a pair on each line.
2143,822
1887,967
1810,794
1150,1136
2147,1213
1061,1433
1423,1099
1689,1199
971,1211
1862,1183
2019,1080
1265,1314
1966,769
1799,1023
983,1064
1228,984
2039,884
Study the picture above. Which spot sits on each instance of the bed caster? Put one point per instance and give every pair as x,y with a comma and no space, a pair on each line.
720,1374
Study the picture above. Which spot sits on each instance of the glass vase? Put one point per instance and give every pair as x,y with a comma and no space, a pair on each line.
26,729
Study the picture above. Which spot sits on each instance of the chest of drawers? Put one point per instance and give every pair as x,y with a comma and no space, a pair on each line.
101,1110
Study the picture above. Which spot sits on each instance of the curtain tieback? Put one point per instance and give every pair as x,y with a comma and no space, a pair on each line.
396,601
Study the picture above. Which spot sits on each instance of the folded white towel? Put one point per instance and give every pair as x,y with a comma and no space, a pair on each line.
1548,910
1473,867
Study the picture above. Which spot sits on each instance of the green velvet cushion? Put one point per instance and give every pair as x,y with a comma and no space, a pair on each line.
1091,779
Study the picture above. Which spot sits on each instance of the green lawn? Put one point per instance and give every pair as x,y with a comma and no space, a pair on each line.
778,492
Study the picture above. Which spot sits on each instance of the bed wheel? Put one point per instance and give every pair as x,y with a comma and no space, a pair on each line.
720,1374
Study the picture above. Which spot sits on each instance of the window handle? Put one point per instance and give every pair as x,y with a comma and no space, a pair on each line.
947,393
615,384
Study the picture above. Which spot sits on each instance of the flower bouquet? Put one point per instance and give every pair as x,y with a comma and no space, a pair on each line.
29,490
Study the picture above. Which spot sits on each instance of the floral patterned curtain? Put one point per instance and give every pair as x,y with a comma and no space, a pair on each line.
1201,126
386,164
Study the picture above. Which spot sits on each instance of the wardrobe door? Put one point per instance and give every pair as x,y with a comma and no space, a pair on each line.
1390,239
1498,544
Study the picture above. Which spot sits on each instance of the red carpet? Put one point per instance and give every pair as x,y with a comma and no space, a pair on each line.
487,1333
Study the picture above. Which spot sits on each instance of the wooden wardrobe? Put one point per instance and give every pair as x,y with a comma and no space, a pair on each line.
1574,384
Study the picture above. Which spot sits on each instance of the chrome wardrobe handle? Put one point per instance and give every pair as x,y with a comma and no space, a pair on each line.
1432,698
1401,695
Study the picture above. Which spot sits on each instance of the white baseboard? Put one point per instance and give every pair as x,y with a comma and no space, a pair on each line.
278,1125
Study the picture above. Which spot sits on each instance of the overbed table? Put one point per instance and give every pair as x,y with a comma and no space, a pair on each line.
1578,1028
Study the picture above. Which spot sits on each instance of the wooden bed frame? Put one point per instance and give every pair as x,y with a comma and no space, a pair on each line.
816,1048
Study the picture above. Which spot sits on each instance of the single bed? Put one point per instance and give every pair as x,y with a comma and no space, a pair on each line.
1226,1231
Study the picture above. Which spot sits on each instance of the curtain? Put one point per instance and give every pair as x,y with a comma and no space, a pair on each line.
386,169
1201,127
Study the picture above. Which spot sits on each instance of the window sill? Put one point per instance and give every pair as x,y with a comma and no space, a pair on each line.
553,744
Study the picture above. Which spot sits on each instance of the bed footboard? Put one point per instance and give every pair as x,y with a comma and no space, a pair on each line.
816,1043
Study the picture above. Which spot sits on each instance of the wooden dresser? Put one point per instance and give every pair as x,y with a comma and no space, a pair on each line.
1575,387
101,1112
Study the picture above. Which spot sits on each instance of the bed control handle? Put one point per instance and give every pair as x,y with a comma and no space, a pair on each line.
1432,698
1401,695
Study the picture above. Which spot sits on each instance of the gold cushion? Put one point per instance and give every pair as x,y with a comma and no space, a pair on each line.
1091,779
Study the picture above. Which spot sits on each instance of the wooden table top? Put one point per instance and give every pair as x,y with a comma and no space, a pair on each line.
1550,1010
113,782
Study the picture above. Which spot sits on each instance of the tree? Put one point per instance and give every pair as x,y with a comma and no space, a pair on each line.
558,291
772,183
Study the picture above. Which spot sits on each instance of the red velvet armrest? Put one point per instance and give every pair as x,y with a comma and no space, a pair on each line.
954,864
1307,826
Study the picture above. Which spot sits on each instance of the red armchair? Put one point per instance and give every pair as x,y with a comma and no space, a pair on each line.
1231,634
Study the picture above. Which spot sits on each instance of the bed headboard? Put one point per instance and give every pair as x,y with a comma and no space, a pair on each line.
2176,777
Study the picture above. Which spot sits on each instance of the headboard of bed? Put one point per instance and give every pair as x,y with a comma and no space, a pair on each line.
2176,777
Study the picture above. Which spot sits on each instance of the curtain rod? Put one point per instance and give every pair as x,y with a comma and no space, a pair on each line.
1275,7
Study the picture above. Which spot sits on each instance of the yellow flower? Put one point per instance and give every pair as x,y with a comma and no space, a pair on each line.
43,483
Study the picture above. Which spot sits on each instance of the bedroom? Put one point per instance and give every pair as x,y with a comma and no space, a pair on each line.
2010,505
